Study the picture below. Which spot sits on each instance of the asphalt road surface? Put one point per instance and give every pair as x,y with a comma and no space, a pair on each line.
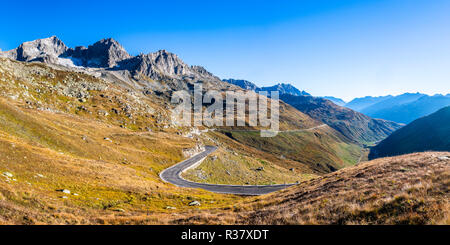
173,175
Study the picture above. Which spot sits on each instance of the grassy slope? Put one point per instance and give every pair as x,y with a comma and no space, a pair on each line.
404,190
286,158
320,149
228,167
49,136
107,176
408,189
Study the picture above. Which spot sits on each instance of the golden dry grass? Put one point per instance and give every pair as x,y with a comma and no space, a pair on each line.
410,189
46,152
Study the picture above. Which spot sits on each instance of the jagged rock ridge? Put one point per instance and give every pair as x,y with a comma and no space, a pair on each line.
109,55
164,64
285,88
42,50
104,53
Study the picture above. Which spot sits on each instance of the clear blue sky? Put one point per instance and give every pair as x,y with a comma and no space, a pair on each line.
344,48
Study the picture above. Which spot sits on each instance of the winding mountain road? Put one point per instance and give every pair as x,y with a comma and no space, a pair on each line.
173,175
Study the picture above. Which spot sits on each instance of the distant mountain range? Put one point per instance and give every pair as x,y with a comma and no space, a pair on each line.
430,133
282,88
366,119
335,100
351,124
403,108
359,104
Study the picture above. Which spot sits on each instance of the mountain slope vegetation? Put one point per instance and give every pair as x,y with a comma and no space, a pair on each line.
403,190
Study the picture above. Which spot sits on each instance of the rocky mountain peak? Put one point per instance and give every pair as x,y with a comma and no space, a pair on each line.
164,62
37,50
201,70
157,65
243,84
285,88
106,53
282,88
